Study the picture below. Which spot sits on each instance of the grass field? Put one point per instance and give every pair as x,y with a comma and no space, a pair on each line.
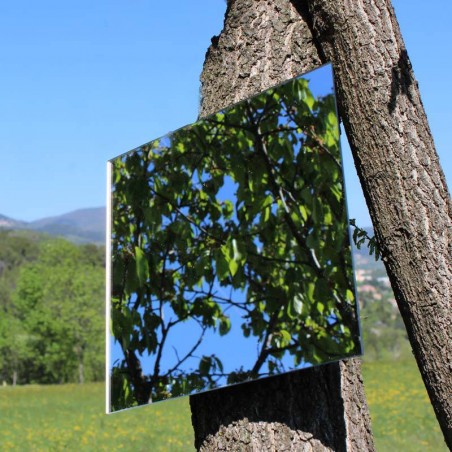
402,417
70,417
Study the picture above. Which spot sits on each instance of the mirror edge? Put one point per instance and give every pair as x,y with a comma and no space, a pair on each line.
108,269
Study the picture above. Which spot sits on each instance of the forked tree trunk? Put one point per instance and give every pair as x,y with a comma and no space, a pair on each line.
402,179
265,42
324,408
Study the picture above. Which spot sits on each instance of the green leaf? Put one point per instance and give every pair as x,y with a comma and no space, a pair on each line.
332,119
142,266
246,330
233,257
225,325
286,337
297,304
222,266
204,365
349,296
304,212
310,291
237,256
320,307
227,209
233,267
218,363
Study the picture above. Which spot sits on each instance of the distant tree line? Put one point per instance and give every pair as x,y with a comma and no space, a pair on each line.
51,310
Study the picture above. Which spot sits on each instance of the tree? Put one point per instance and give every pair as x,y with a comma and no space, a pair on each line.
275,259
16,249
404,186
58,314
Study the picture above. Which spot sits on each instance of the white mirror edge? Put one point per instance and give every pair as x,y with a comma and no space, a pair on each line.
108,290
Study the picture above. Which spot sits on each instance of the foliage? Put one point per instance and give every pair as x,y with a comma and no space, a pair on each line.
382,327
361,237
52,327
277,252
16,250
383,331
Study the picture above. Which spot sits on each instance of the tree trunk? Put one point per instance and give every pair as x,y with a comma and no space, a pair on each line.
324,408
318,409
399,170
81,373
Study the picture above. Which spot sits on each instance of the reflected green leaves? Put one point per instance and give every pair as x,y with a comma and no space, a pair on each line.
231,231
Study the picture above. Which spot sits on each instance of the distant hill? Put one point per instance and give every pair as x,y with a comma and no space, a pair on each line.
88,226
80,226
9,223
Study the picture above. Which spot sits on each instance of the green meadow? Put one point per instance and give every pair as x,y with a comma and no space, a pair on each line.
402,416
71,417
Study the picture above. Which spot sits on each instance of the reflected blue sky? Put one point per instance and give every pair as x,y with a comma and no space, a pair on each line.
233,349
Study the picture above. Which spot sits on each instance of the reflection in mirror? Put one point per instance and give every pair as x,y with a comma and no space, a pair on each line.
230,249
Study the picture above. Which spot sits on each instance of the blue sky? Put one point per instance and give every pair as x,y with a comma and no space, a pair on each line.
183,337
84,81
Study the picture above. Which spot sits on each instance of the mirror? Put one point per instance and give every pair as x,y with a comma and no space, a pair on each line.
230,253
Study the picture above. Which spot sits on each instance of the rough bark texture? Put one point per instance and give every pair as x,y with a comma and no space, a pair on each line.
399,170
264,43
301,411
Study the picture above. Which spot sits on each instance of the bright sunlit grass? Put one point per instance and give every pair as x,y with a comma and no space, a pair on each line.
402,417
71,417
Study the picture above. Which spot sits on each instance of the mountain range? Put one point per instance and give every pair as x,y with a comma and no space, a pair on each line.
80,226
87,226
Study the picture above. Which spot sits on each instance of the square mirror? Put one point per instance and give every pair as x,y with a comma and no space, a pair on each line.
229,249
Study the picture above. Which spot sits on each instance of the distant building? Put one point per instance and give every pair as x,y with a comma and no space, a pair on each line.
362,275
384,280
367,288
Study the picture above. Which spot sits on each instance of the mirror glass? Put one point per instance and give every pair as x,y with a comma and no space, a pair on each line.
229,246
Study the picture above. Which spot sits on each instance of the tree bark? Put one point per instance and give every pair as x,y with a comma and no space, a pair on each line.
264,43
318,409
402,180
